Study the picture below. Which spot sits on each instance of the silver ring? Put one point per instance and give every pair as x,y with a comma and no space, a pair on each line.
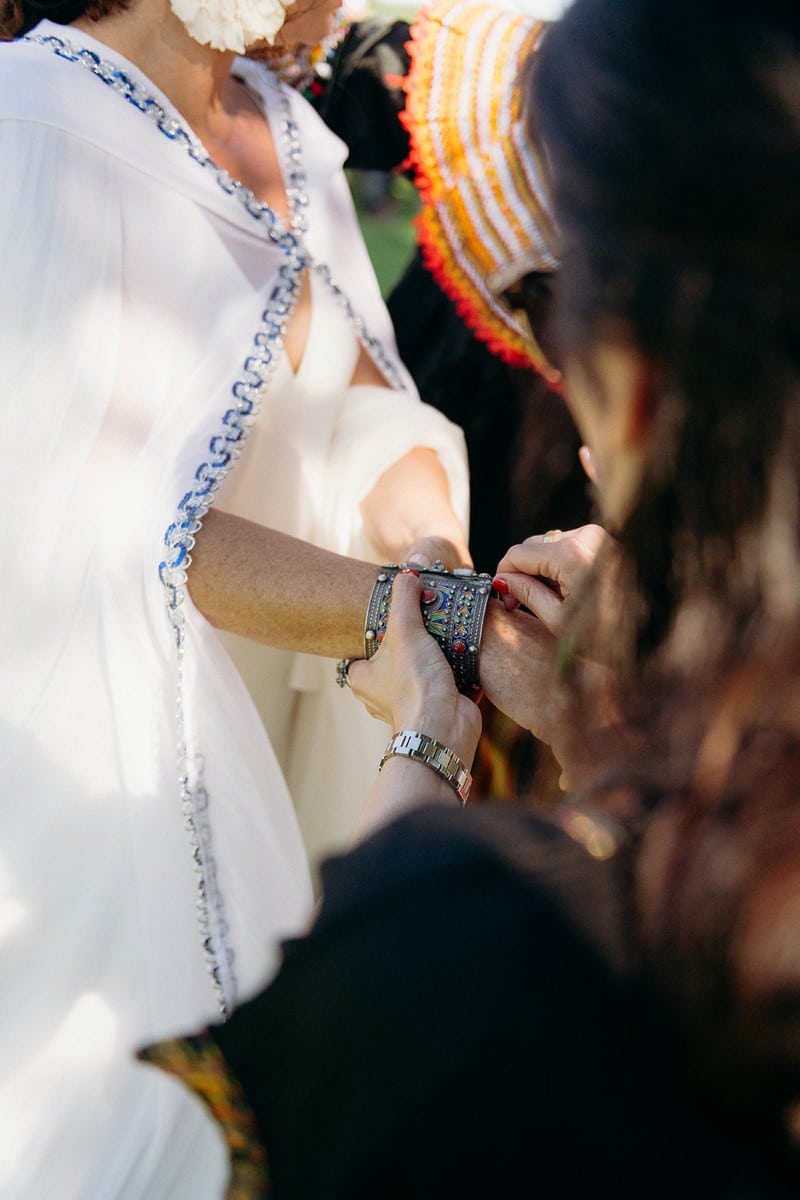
342,667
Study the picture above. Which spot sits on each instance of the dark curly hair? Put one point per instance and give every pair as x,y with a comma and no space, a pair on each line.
19,16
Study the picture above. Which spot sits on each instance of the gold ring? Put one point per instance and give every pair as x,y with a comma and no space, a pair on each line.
552,535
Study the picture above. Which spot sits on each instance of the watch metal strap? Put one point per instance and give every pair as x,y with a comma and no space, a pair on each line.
408,743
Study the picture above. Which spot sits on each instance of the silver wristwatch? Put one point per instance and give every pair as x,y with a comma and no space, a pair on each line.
408,743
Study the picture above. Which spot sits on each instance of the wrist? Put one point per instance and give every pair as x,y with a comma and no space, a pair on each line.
459,731
438,758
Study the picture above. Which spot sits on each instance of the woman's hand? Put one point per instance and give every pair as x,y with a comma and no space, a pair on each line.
544,572
521,676
408,684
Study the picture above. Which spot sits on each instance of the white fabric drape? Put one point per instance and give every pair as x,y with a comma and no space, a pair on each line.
314,455
317,450
130,290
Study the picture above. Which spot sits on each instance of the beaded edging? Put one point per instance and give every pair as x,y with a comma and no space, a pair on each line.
224,449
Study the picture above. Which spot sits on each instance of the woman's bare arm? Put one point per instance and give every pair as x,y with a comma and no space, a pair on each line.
279,590
287,593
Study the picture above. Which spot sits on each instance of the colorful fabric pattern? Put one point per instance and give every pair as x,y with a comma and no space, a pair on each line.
485,218
198,1062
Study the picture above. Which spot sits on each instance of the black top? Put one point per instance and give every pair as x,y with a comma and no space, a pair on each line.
466,1019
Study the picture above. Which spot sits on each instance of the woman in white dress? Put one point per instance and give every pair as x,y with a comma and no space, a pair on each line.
183,283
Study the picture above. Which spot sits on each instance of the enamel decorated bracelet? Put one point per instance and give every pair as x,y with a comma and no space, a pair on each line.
453,605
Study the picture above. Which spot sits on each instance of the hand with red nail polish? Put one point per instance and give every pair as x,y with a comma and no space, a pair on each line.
504,593
544,572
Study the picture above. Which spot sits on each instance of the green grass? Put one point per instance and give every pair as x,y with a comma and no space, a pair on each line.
390,234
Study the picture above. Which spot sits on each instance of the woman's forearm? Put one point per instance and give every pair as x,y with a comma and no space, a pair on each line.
410,504
276,589
286,593
403,784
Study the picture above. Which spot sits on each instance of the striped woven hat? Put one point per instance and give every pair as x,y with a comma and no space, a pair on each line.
485,219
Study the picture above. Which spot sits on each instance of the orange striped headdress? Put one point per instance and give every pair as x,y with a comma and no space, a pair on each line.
485,218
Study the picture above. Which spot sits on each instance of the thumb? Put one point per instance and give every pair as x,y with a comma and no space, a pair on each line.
406,589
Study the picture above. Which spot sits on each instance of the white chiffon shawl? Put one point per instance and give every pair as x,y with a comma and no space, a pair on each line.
130,289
